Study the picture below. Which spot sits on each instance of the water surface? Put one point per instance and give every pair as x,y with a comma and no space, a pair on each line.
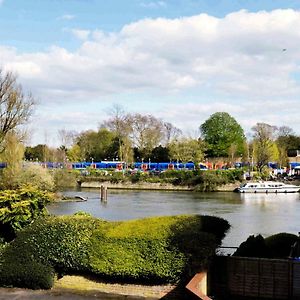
247,213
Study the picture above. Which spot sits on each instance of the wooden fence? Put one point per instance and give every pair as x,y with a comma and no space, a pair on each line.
254,278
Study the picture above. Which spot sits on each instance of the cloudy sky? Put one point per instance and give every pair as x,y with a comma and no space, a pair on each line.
180,60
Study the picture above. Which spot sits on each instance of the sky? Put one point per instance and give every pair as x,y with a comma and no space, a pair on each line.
179,60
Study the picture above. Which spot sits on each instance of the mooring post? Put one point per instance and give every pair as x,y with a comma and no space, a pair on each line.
103,193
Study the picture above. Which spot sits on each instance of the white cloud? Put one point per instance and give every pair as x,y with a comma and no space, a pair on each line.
153,4
81,34
235,64
67,17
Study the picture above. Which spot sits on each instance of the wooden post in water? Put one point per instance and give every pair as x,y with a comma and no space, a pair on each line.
103,193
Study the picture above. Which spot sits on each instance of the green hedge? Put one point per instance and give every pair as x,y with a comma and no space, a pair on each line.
160,249
60,241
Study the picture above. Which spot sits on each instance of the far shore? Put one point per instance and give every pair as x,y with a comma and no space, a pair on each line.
152,186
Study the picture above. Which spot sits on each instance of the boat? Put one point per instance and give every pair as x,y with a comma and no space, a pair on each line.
268,187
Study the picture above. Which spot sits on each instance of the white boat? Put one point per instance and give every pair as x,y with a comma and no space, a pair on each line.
268,187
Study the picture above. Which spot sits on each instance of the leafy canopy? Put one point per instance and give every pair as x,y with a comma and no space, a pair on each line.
220,131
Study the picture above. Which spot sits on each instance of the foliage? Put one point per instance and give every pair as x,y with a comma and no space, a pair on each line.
59,241
29,274
157,249
187,150
97,146
36,175
263,143
280,244
220,132
274,246
21,207
13,155
160,249
65,178
159,154
36,153
207,180
254,246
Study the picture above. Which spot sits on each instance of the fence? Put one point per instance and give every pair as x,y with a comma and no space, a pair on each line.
255,278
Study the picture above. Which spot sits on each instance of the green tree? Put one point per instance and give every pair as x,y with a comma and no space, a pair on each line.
187,149
97,145
263,144
220,131
160,154
13,155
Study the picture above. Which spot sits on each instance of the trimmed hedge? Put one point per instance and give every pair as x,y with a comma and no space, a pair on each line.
156,250
61,242
160,249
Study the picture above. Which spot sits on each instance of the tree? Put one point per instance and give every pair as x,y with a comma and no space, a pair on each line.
147,133
98,145
39,152
220,131
160,154
171,132
15,106
120,124
187,150
263,142
13,155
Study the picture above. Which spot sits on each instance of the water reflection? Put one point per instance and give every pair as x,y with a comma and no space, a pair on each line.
247,213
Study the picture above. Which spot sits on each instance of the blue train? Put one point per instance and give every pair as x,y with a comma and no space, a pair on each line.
162,166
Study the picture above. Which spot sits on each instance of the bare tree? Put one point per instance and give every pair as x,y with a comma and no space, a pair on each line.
67,137
120,123
147,132
15,106
171,132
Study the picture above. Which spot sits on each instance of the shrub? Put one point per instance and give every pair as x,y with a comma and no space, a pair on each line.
280,244
21,207
275,246
60,241
65,178
37,176
33,275
157,249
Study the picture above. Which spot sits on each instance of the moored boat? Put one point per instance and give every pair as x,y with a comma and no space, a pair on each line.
268,187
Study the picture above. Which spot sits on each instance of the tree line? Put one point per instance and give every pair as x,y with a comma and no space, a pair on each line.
133,137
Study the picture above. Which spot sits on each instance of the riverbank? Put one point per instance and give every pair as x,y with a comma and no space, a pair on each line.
153,186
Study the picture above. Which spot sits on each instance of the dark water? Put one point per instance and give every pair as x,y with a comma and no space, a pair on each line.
247,213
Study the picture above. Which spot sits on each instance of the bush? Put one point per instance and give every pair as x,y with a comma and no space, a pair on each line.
280,244
19,208
64,178
254,246
156,250
33,275
160,249
37,176
60,241
275,246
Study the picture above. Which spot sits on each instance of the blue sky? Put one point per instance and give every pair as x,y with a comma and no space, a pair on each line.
178,60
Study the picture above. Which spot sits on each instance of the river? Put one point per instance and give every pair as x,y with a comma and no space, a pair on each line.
247,213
